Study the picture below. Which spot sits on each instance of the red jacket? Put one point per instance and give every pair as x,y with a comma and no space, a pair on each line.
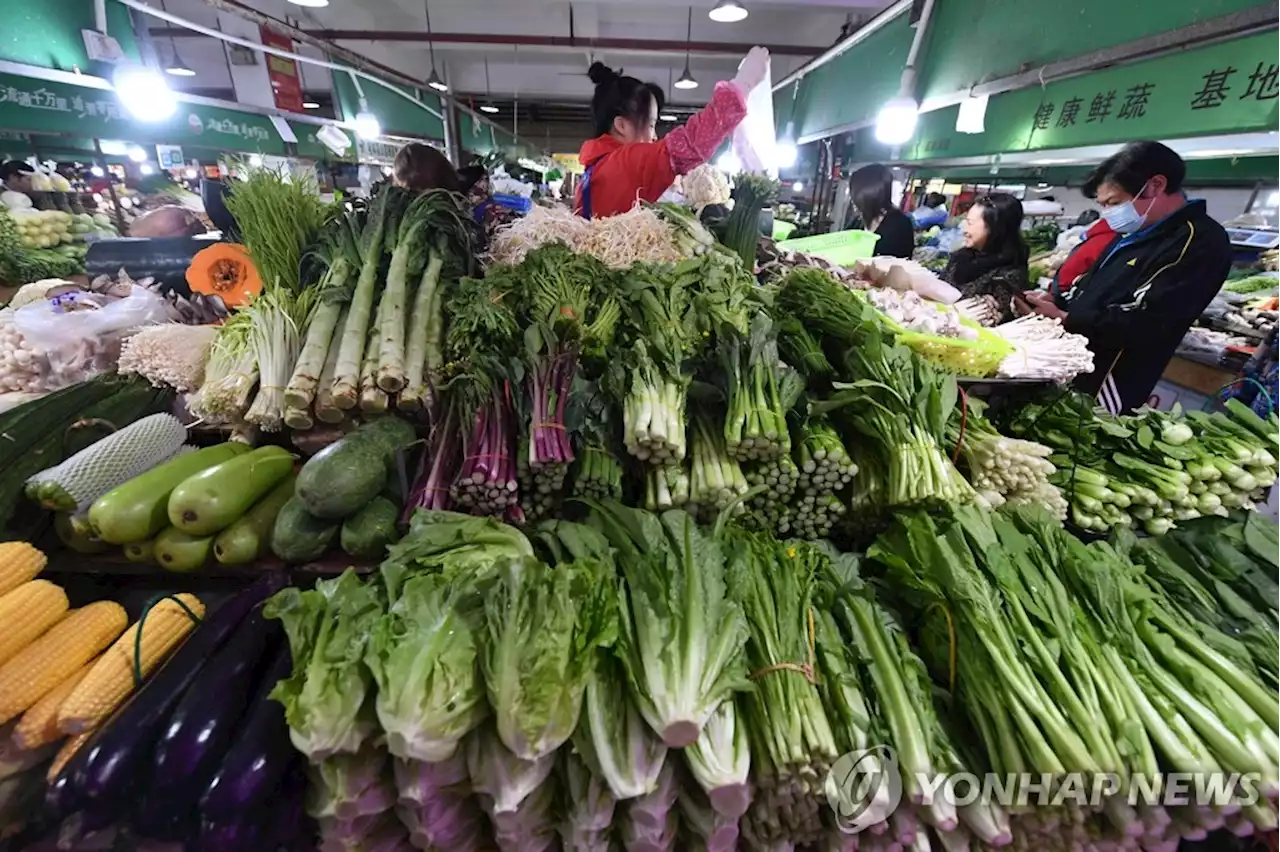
623,174
1097,240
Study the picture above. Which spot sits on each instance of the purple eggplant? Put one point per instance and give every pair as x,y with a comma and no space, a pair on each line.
238,835
290,825
111,762
261,755
154,819
202,724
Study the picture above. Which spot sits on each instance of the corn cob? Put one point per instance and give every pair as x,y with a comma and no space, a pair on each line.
15,760
39,725
19,562
41,666
26,613
68,751
111,679
95,470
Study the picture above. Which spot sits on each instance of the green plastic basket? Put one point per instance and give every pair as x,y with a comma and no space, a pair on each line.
782,230
975,359
842,247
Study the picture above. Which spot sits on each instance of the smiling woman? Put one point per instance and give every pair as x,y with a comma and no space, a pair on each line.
993,261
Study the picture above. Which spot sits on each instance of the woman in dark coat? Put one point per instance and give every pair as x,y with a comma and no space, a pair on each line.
871,191
993,261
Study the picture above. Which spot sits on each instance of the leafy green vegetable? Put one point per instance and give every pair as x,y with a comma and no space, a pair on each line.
423,657
544,625
680,635
325,696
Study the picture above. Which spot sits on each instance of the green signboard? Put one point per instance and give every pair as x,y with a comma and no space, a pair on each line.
311,147
1221,89
397,115
39,106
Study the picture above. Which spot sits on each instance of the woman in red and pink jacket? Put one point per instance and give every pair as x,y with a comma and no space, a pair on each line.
626,162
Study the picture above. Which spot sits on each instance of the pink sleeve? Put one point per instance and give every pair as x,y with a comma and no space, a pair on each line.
693,144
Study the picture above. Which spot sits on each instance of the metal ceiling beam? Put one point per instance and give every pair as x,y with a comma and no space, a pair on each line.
637,45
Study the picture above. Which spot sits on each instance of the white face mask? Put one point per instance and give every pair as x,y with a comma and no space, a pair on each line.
1125,218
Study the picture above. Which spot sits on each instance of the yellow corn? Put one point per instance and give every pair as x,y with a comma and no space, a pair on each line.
46,662
68,751
26,613
19,562
39,725
111,679
15,760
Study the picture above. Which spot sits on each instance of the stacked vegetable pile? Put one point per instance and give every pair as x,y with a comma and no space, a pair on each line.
43,433
166,503
63,673
1063,657
364,336
684,385
640,681
22,259
1152,468
201,754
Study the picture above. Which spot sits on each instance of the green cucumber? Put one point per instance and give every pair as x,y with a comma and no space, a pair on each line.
214,498
77,536
298,535
250,537
176,551
339,480
139,509
366,534
141,551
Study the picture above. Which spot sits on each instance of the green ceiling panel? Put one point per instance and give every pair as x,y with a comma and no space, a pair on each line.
47,33
851,87
398,116
972,41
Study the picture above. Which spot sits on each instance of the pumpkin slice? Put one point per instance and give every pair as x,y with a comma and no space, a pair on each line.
225,270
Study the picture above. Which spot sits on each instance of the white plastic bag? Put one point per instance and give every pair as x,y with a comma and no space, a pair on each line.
754,143
79,340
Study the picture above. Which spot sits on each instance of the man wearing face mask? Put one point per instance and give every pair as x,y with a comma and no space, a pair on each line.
1148,287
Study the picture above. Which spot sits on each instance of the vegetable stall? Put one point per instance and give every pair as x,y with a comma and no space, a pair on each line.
614,534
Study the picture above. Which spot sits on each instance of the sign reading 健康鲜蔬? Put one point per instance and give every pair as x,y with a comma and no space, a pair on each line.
1226,88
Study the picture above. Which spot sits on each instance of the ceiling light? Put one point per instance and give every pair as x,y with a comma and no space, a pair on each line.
896,122
310,105
798,186
137,154
144,93
367,125
178,68
666,116
489,108
436,83
727,12
146,169
686,80
1052,162
311,4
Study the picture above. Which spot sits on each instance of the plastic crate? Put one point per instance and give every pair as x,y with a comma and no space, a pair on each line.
842,247
518,203
782,230
972,358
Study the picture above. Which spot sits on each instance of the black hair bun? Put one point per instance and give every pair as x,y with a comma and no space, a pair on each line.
601,74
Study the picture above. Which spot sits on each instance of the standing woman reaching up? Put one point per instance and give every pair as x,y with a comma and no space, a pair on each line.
626,162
